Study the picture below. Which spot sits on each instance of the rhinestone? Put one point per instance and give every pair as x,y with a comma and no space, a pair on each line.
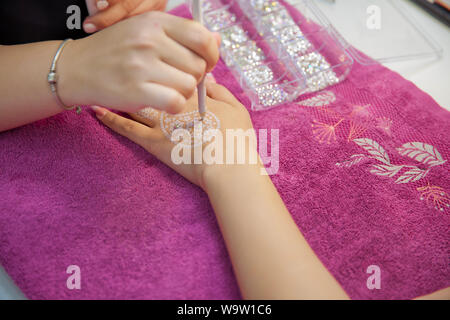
287,34
233,35
296,47
271,94
218,20
259,75
312,63
321,81
209,5
248,56
278,20
265,5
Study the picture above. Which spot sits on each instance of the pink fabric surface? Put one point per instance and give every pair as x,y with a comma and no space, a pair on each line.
72,192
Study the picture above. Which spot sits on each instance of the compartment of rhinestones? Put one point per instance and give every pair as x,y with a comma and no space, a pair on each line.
268,52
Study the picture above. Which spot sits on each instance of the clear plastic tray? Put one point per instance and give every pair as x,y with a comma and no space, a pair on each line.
279,50
384,30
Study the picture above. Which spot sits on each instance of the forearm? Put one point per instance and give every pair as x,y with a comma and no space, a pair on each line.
271,258
25,94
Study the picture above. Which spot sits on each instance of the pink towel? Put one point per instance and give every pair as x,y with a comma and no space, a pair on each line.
363,171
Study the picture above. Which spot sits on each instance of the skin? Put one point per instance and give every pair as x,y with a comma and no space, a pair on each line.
270,256
278,265
150,59
106,13
443,294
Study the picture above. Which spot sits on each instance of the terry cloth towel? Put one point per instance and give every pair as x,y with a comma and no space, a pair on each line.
364,172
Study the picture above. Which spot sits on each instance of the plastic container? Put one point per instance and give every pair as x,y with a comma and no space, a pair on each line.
279,50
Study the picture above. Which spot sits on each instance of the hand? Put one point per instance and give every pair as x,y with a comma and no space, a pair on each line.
151,59
148,134
105,13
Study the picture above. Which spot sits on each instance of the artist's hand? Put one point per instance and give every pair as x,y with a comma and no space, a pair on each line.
152,59
105,13
148,134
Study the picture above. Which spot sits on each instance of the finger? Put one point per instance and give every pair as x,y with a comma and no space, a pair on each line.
161,97
192,102
195,37
110,16
155,5
131,129
183,59
148,118
217,92
92,7
169,76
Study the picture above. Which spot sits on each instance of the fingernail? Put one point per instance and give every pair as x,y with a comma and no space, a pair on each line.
89,28
99,112
102,4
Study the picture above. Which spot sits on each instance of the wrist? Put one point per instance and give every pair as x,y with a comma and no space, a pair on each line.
68,84
226,176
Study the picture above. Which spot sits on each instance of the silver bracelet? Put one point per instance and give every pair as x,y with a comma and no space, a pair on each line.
52,79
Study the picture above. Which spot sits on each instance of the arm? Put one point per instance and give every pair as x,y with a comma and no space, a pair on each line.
270,256
24,90
153,58
271,259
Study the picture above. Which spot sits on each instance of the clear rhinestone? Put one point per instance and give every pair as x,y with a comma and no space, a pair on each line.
248,56
296,47
321,81
265,6
218,20
259,75
312,63
278,20
233,36
209,5
271,94
288,34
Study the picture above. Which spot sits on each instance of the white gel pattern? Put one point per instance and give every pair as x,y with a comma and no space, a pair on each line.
190,121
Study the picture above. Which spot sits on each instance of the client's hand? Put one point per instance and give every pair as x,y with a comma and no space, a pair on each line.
149,134
270,256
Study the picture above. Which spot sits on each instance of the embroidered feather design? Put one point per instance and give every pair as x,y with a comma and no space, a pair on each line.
412,175
374,149
354,160
387,170
418,151
422,152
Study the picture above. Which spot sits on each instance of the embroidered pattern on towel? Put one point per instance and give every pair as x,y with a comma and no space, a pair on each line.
358,119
